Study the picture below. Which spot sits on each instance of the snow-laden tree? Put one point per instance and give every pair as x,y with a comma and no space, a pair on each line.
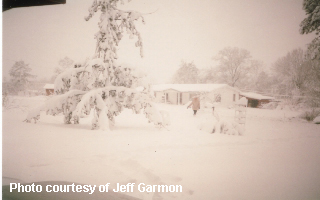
234,64
100,85
20,74
209,75
187,73
292,71
257,79
312,85
311,24
263,82
64,64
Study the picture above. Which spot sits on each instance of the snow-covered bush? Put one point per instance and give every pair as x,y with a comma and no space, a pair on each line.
222,127
100,84
310,115
271,105
5,99
317,120
165,117
9,102
211,125
291,104
231,128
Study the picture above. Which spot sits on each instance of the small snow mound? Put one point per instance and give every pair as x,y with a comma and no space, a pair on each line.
231,128
316,120
271,105
165,117
208,125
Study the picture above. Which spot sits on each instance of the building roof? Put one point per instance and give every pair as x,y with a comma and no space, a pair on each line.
48,86
257,96
191,87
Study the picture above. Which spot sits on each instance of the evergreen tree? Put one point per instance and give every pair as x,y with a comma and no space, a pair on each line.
312,89
20,76
311,24
100,84
64,64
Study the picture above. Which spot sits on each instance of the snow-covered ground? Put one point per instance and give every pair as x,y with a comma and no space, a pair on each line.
278,158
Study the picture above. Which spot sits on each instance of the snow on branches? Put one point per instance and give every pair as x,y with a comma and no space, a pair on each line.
113,23
95,73
104,89
100,84
64,103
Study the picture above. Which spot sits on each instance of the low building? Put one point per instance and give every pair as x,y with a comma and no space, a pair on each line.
256,100
49,88
181,94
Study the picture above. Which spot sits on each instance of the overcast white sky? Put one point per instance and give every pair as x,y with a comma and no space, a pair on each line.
190,30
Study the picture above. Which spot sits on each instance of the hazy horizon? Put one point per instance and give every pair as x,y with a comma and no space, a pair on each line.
177,30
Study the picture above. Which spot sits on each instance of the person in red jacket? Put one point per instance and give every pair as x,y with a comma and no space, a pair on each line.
195,104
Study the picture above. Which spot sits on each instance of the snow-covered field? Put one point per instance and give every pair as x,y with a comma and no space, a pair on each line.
278,158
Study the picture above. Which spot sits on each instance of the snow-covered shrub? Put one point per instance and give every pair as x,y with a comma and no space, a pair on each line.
153,114
222,126
292,104
9,102
317,120
165,117
310,115
271,105
5,99
231,128
211,126
100,84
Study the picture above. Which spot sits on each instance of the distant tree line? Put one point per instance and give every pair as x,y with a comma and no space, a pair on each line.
235,67
295,74
21,77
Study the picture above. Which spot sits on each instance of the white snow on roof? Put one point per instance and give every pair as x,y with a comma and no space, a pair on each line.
191,87
255,95
49,86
